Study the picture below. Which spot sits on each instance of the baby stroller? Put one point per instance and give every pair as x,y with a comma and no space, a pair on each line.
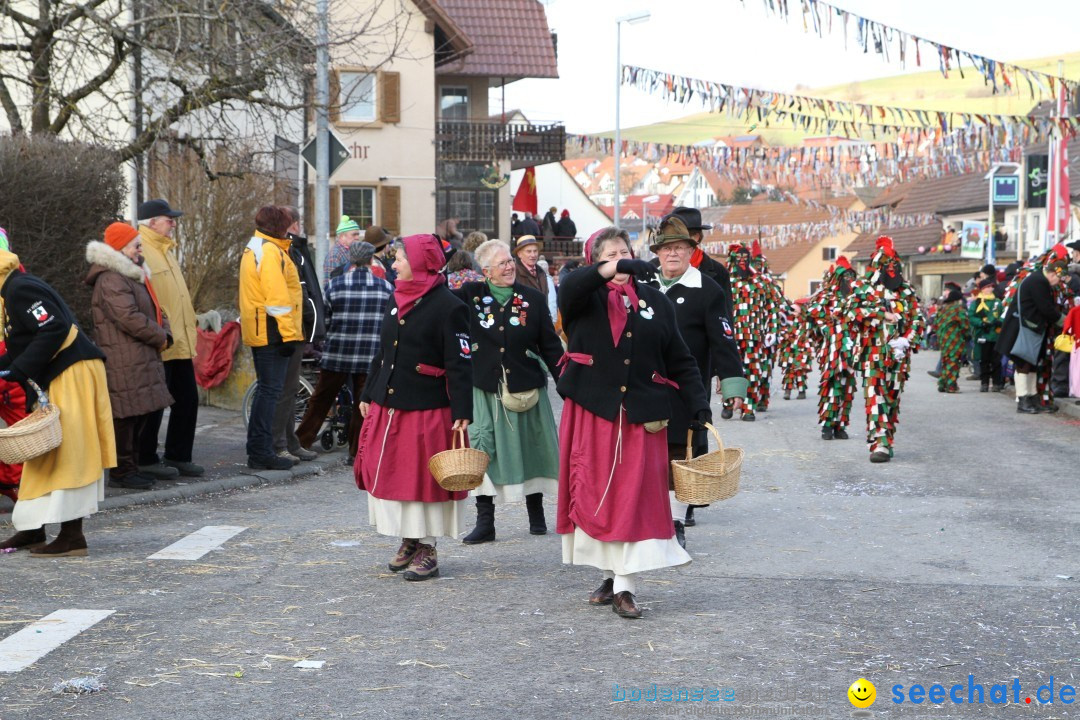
335,431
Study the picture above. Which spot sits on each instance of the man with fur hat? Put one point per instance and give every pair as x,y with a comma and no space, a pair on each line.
954,331
885,309
132,332
837,350
984,314
708,333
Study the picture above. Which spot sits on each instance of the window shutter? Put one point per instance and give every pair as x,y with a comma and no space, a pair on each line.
389,97
335,96
335,207
390,208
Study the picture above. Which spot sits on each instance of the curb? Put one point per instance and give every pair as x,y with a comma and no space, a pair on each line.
246,479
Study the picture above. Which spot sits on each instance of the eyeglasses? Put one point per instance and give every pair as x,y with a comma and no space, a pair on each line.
504,264
673,249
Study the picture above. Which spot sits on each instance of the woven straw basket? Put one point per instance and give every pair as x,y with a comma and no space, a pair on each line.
34,435
709,478
459,468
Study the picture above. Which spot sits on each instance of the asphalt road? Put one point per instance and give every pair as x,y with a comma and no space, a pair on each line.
945,563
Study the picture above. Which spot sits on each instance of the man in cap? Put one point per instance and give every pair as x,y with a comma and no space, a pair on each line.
708,333
527,255
157,223
691,218
346,234
355,302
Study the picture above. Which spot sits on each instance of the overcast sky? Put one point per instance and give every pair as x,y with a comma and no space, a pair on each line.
741,44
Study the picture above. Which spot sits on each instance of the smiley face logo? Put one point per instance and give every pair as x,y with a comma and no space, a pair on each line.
862,693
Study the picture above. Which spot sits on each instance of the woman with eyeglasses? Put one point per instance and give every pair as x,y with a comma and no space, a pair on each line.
513,341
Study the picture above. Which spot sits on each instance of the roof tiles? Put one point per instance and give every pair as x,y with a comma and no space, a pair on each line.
511,39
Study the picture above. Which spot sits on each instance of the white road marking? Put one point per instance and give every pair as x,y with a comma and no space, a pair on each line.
198,543
39,638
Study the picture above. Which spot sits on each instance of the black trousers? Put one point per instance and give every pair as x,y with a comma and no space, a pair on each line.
184,413
990,364
326,392
127,431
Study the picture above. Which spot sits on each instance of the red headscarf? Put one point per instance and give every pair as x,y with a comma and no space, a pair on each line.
426,258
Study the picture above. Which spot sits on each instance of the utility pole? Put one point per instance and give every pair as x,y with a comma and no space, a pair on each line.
322,137
1021,208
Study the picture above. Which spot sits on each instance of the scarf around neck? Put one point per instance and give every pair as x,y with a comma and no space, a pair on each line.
426,258
617,310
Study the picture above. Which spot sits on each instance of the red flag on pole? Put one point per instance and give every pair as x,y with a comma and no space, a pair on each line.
525,199
1057,209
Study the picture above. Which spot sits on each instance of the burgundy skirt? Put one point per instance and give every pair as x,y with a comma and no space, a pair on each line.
613,478
393,453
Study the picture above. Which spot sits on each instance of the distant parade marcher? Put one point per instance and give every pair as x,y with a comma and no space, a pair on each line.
752,324
984,314
954,331
885,309
796,351
418,394
513,339
838,351
776,307
699,312
624,354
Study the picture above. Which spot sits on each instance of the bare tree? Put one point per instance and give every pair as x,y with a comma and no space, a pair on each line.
124,73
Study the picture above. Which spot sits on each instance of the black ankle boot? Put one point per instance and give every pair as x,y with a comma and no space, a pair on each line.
25,539
535,505
70,542
485,521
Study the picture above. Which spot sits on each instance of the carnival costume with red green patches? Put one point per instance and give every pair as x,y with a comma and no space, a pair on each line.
886,346
1044,394
775,307
750,318
838,346
796,350
954,330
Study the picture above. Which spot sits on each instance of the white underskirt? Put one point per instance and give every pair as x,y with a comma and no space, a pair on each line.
414,519
517,491
622,558
58,506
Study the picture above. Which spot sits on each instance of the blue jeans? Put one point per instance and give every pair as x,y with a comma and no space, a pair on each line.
270,368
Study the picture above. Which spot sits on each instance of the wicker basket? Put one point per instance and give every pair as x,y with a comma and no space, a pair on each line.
34,435
459,468
710,477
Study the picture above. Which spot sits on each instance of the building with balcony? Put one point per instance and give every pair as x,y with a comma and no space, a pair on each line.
424,144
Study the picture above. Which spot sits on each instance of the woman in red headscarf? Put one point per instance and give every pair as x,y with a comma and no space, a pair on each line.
625,352
418,393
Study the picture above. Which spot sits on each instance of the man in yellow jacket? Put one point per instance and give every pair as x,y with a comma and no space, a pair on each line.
271,324
157,222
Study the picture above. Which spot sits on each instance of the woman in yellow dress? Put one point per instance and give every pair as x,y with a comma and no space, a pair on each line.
44,344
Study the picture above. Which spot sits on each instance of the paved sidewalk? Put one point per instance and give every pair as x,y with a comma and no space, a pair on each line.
219,447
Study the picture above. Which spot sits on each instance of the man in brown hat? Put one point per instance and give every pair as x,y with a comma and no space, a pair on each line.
699,312
526,253
691,218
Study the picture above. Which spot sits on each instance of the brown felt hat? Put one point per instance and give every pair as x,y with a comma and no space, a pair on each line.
672,229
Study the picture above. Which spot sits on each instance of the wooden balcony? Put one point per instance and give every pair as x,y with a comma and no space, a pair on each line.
523,145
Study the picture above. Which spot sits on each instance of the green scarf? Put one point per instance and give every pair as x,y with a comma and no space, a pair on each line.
502,295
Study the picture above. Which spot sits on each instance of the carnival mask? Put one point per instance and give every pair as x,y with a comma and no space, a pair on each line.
892,276
742,265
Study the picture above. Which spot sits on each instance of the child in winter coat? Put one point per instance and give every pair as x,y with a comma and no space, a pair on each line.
984,314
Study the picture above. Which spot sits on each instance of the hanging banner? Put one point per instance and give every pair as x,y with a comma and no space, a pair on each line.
972,236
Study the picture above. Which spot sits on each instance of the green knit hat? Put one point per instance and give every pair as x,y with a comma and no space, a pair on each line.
347,224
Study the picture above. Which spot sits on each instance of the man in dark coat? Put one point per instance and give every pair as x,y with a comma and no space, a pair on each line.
1035,302
691,218
565,229
529,226
707,331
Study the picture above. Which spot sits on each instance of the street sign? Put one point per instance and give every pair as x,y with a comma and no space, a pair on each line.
1038,179
338,153
1006,190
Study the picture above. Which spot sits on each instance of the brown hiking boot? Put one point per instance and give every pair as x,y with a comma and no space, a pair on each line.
624,604
69,543
424,565
405,554
27,539
603,594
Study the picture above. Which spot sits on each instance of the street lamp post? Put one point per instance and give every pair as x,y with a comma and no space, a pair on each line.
633,19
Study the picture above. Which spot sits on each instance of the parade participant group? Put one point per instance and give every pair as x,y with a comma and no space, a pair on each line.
642,344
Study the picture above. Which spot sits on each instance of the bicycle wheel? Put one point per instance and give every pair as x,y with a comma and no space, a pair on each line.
303,397
249,399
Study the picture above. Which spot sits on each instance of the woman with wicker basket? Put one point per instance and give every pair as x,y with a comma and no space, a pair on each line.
418,394
45,347
625,352
511,333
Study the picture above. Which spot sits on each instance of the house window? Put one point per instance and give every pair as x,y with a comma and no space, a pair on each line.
815,285
357,97
828,254
474,209
454,103
359,204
